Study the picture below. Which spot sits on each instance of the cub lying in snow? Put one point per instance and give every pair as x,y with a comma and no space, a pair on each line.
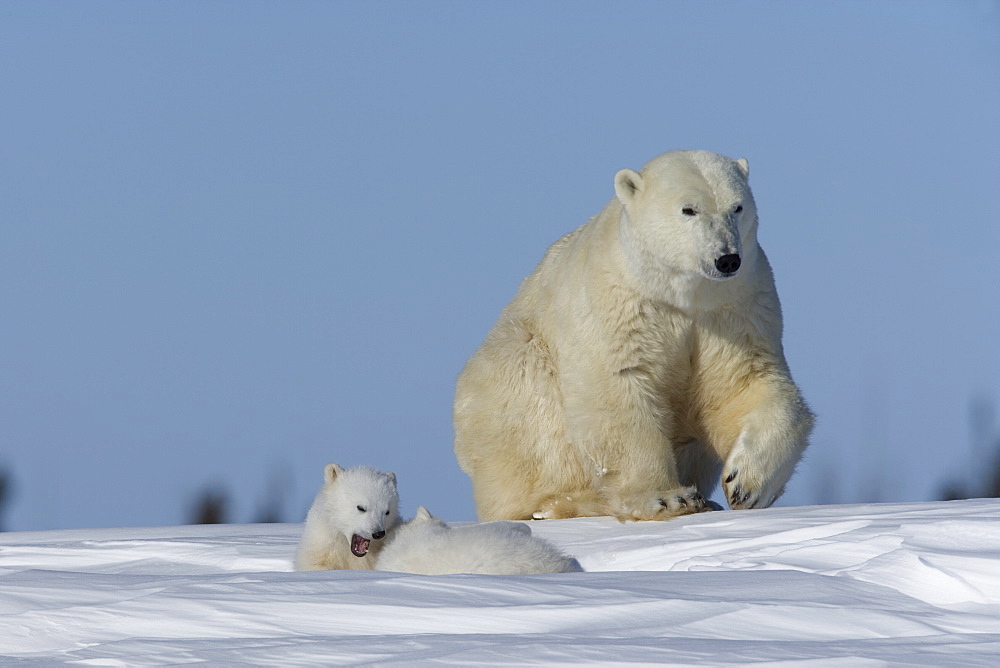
355,520
427,546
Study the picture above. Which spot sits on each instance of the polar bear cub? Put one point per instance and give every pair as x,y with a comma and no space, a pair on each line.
428,546
349,519
640,363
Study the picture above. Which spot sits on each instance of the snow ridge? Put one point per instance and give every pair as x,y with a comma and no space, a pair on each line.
911,584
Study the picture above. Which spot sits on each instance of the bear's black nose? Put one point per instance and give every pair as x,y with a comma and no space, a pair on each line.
728,264
378,534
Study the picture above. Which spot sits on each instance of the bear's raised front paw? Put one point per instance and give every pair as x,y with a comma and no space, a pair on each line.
757,469
743,492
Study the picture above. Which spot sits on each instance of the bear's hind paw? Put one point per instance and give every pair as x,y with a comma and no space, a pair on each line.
563,506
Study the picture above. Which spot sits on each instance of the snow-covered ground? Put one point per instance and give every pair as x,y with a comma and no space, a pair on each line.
898,584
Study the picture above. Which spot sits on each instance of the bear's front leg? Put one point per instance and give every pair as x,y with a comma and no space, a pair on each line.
773,436
633,464
620,438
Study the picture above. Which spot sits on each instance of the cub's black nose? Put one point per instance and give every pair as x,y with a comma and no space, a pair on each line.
728,264
378,534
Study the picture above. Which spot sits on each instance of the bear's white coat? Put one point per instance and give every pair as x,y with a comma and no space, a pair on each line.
428,546
639,360
347,524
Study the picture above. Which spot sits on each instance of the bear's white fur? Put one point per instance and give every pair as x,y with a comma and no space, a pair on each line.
641,357
428,546
348,522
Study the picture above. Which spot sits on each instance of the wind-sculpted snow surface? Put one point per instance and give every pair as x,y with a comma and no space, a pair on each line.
903,584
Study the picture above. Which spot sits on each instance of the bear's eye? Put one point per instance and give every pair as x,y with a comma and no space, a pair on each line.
688,211
387,512
362,509
738,208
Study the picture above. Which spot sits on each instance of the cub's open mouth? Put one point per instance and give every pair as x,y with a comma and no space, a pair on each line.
359,545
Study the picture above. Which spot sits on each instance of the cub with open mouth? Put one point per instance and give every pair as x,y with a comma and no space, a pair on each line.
349,519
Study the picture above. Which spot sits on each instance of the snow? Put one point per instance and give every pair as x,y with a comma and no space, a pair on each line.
913,584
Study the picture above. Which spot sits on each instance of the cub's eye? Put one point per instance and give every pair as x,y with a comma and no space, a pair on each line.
738,208
362,509
688,211
387,512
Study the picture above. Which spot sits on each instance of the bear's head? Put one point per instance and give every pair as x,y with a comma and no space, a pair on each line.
688,213
361,503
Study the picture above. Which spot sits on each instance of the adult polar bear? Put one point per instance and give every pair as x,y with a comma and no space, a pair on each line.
639,359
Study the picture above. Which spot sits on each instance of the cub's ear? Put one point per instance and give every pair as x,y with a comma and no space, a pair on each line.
331,471
391,476
744,167
422,514
628,184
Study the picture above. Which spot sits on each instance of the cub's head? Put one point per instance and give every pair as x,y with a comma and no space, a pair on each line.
360,503
688,212
424,517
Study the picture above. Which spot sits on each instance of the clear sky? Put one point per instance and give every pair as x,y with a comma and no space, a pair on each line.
240,240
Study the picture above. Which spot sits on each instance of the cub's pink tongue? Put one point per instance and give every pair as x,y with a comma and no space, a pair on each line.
359,545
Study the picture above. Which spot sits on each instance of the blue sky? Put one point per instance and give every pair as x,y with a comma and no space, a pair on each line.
241,240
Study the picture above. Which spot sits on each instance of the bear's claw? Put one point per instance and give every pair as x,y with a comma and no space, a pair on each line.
671,504
738,497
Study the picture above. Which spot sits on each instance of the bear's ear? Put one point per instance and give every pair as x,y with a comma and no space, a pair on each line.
391,476
744,167
628,184
422,514
331,471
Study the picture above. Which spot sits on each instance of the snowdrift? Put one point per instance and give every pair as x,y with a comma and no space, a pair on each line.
905,584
